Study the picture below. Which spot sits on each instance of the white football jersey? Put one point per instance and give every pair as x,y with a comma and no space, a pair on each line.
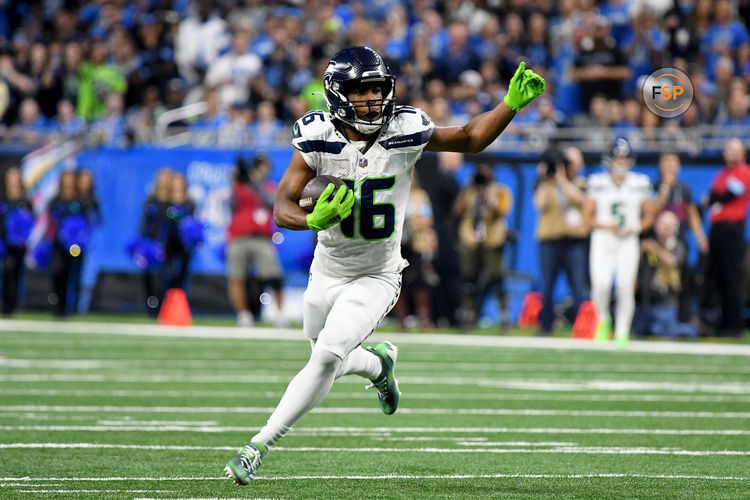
619,205
369,240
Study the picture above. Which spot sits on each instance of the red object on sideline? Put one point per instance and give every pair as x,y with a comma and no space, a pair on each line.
175,310
250,214
736,209
530,309
587,321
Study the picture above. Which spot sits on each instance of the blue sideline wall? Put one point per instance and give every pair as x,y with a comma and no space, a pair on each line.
124,178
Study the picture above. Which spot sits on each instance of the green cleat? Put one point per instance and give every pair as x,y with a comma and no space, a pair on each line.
386,384
242,468
602,333
622,341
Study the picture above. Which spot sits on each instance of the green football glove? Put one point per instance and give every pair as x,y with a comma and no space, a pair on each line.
523,88
329,213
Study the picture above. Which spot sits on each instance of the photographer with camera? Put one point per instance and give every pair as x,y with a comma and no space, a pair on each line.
562,234
249,237
482,208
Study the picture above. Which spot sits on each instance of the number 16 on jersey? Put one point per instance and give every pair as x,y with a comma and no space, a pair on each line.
376,220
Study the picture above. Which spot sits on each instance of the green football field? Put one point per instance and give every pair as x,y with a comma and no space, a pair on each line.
138,411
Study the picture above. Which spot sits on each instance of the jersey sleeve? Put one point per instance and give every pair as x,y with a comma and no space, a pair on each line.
594,186
312,136
410,130
644,187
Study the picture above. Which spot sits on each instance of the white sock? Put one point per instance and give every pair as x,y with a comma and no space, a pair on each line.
624,309
305,391
361,362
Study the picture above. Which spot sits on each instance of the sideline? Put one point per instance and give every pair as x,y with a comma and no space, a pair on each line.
259,333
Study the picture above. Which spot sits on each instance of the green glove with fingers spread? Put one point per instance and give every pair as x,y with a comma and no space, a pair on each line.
329,213
523,88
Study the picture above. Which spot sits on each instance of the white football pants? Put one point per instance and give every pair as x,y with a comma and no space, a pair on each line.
612,256
338,315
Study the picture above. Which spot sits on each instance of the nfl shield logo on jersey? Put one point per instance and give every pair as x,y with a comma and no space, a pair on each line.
362,162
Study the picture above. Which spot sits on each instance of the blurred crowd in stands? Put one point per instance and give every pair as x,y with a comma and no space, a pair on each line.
115,67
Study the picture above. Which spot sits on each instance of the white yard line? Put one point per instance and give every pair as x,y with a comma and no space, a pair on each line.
356,395
91,491
411,366
586,450
729,387
88,377
395,476
223,332
365,410
247,395
375,431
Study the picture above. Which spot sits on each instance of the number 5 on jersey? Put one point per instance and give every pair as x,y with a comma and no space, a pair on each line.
376,220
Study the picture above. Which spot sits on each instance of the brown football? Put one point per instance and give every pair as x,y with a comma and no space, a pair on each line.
314,188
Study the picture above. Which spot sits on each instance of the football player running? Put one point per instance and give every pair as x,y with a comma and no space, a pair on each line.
617,209
355,278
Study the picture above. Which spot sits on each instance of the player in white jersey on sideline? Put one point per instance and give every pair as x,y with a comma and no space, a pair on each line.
618,208
355,278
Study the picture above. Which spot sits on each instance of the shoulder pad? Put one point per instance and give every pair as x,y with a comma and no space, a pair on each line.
640,180
411,119
314,133
312,125
409,128
597,179
598,182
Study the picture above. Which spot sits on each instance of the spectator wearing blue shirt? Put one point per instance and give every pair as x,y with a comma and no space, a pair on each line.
31,124
205,129
431,23
488,38
617,13
458,56
397,45
66,122
110,129
567,94
512,44
712,111
536,50
631,116
724,72
725,37
737,108
267,127
644,46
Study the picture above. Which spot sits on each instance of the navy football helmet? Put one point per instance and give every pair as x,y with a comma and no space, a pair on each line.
350,68
620,149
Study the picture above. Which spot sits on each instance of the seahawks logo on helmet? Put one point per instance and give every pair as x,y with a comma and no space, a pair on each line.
350,68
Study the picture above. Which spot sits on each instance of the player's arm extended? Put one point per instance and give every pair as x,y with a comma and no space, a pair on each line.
483,129
286,210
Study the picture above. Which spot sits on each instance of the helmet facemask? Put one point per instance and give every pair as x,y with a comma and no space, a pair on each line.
346,110
619,168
